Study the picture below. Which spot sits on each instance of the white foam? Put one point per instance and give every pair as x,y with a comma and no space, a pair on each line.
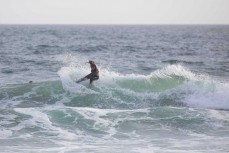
177,70
220,115
208,95
101,121
5,133
41,119
165,72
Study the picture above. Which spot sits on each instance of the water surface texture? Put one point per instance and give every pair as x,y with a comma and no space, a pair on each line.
161,89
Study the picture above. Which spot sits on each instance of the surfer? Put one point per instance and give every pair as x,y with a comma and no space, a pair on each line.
94,75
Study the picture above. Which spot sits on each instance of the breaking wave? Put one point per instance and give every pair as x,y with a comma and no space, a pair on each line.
173,85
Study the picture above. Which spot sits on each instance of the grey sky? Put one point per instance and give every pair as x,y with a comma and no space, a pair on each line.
114,11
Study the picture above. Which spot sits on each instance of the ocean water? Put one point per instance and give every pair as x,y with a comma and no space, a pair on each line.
162,89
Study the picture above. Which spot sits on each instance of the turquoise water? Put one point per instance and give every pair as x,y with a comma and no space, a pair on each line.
161,89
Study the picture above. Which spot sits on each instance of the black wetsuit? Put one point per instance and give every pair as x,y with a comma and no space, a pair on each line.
94,75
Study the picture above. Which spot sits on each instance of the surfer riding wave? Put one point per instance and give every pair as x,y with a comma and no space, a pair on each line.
94,75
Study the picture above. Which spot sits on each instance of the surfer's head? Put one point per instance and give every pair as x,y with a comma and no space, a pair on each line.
92,62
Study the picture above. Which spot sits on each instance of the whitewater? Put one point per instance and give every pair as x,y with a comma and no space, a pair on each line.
162,89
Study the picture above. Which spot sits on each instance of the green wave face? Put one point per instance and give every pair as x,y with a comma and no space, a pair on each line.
151,84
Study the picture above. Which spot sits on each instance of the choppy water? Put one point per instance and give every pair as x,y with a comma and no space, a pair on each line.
161,89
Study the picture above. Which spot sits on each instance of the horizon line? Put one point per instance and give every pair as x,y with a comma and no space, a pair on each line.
121,24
